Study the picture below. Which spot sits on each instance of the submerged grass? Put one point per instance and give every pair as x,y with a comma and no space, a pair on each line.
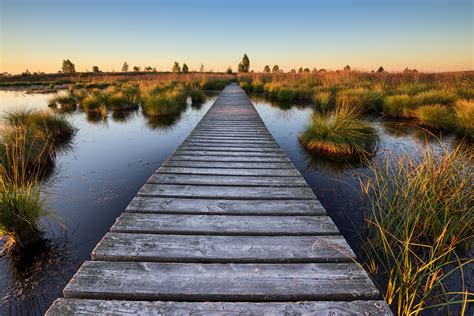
339,134
420,223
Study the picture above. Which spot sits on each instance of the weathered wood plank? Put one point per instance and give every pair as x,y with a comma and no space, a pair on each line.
84,306
258,139
229,144
229,192
229,165
224,225
229,153
184,179
230,141
225,207
231,171
222,158
222,249
231,149
215,282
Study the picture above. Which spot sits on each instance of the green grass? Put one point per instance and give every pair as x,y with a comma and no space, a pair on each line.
51,127
399,106
339,134
197,96
443,97
464,112
323,100
421,222
165,103
436,116
213,84
65,102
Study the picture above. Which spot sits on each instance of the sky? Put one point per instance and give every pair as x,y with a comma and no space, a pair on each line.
429,35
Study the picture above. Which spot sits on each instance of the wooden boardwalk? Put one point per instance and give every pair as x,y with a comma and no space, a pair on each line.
226,225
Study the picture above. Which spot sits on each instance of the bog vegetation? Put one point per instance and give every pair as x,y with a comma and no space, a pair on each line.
436,101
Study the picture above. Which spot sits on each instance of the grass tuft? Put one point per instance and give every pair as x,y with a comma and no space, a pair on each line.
339,134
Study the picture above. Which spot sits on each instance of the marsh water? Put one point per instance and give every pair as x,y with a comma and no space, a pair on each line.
108,161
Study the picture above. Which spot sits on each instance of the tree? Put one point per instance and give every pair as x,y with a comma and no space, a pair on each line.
148,68
306,70
136,68
244,66
176,67
276,68
95,69
347,68
314,70
300,70
185,68
229,71
380,69
322,70
201,69
266,69
26,73
125,67
293,71
68,67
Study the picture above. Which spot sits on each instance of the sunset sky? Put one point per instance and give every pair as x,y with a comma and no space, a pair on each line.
429,35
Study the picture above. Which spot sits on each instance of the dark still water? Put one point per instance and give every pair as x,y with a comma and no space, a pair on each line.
108,162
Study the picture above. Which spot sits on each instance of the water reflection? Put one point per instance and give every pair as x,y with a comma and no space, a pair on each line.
33,273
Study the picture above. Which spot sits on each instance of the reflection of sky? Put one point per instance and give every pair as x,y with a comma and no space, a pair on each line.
423,34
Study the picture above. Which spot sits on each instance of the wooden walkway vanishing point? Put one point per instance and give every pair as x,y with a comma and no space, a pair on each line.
226,225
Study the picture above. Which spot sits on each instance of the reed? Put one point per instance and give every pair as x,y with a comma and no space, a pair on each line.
421,221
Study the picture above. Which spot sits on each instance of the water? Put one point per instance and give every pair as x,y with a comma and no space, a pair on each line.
110,160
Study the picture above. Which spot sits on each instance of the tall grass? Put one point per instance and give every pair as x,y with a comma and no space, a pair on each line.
421,221
22,156
399,106
464,111
51,127
339,134
436,116
165,103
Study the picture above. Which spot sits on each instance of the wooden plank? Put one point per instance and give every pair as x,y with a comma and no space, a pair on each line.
229,144
230,141
84,306
229,165
225,207
185,147
222,249
184,179
222,158
288,172
233,138
215,282
227,192
229,153
224,225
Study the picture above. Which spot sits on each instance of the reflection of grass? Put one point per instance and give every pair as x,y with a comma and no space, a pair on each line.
421,220
34,273
340,134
